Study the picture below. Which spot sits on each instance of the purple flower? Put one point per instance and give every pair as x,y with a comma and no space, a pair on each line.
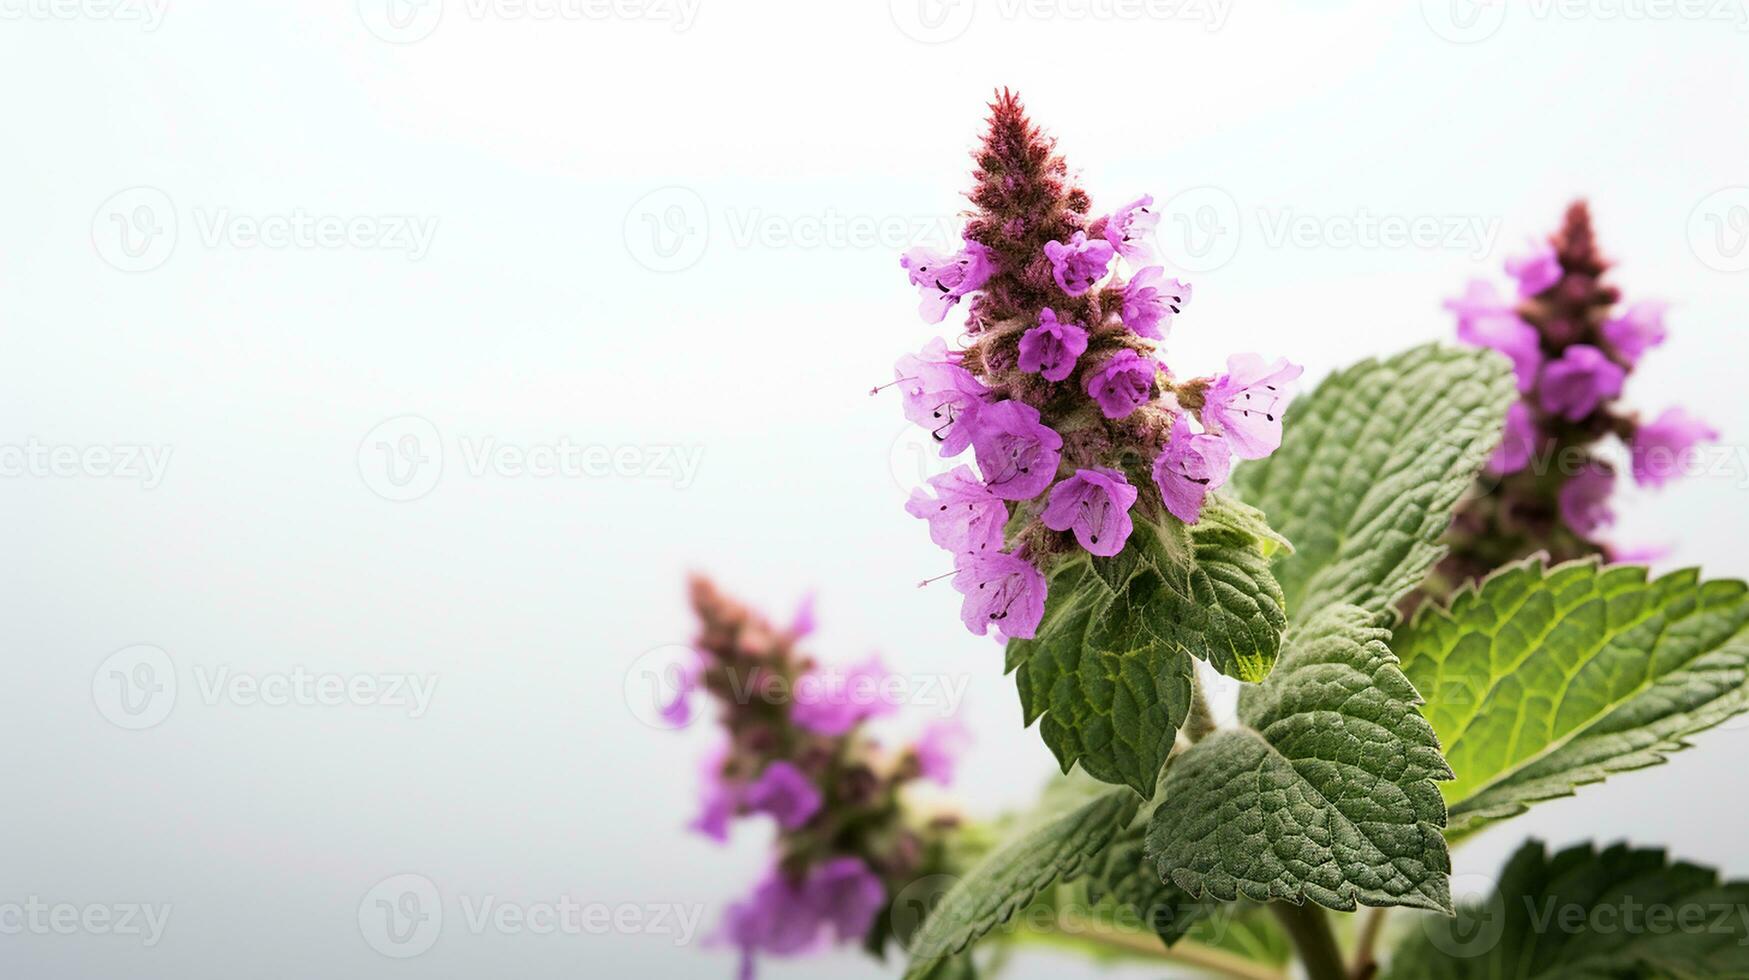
1192,464
1095,504
782,791
1150,301
1584,499
964,516
1122,384
846,895
1509,335
678,712
1638,330
943,279
780,918
1660,445
939,748
1052,347
1244,405
1131,229
1079,264
1017,455
803,623
1643,554
1575,385
1535,271
1480,299
1002,591
1517,442
718,799
832,701
939,395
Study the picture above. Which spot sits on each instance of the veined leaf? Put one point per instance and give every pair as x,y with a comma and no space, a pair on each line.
1110,669
1329,794
1057,848
1374,461
1541,680
1619,914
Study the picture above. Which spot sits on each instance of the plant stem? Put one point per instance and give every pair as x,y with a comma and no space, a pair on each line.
1365,965
1309,928
1201,720
1191,954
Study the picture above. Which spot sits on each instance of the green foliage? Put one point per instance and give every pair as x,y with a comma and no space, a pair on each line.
1110,669
1619,914
1329,794
1544,679
1374,461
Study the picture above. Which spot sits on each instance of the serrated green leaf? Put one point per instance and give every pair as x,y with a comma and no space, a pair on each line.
1541,679
1123,874
1373,463
1329,794
1010,877
1110,668
1622,914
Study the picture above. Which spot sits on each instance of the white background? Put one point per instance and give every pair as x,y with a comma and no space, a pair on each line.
540,313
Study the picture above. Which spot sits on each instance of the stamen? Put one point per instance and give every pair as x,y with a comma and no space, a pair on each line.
936,578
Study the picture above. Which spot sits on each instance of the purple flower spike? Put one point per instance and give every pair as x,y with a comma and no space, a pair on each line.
846,895
1002,591
1660,446
1079,264
939,749
829,701
1124,383
779,918
1017,455
942,280
1509,335
1535,271
1095,504
1150,301
1638,330
1052,347
1131,230
1518,444
1480,299
964,516
718,799
1584,499
939,395
782,791
1192,464
1575,385
1245,404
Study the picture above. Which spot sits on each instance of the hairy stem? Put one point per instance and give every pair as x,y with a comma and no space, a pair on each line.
1309,928
1201,720
1190,954
1366,966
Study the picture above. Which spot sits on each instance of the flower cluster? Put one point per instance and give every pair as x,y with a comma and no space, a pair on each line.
1059,391
847,836
1572,346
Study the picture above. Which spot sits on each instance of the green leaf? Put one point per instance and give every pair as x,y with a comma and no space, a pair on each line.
1327,795
1123,874
1110,668
1622,914
1372,465
1058,848
1544,679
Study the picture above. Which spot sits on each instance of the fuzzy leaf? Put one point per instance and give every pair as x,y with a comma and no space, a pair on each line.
1541,679
1110,669
1373,464
1619,914
1329,794
1011,876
